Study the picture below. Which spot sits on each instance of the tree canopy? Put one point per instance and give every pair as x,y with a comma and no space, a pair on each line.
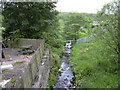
75,25
27,20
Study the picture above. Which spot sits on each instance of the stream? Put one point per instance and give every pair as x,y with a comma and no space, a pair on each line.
66,78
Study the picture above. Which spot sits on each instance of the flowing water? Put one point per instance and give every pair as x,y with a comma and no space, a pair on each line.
66,78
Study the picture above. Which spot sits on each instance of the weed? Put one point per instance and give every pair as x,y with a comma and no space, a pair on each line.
18,63
13,81
4,70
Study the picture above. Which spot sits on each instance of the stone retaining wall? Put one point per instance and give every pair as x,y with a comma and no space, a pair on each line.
29,73
23,42
44,70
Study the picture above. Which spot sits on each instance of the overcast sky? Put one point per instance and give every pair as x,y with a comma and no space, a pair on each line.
82,6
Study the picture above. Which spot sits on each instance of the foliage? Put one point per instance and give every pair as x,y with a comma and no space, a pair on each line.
1,18
13,81
96,63
74,25
90,60
38,21
55,65
27,20
0,34
110,15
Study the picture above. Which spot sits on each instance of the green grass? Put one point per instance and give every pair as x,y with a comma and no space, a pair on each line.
4,70
94,66
16,63
13,81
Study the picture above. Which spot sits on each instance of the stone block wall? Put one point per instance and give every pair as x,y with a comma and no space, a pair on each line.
28,75
44,70
23,42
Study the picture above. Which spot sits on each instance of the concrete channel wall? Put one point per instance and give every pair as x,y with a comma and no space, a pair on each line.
34,66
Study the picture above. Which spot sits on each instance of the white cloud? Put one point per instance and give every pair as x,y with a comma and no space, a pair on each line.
88,6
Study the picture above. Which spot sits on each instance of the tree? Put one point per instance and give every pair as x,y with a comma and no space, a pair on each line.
73,25
109,14
27,20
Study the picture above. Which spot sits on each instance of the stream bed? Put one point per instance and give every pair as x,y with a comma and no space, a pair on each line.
66,78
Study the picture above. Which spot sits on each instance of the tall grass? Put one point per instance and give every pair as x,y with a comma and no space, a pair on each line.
95,65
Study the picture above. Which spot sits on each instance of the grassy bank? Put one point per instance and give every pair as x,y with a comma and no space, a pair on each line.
95,65
55,64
